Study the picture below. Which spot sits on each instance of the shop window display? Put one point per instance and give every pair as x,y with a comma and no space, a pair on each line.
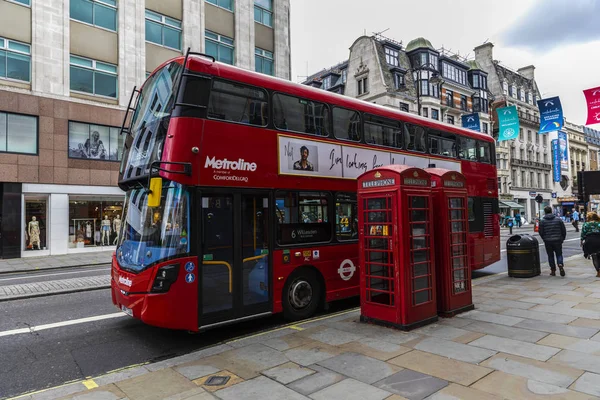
35,224
94,222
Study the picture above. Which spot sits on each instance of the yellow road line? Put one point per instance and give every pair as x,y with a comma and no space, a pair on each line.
297,328
90,384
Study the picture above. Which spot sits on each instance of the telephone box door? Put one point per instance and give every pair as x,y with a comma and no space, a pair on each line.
380,266
419,271
459,291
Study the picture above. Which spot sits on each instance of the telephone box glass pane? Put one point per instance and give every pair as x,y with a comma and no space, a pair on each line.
421,269
421,283
456,203
456,214
418,202
421,297
457,227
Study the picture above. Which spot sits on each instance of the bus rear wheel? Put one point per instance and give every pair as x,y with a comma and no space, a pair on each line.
301,295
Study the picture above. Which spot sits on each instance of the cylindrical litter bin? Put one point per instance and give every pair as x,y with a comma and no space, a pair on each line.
523,256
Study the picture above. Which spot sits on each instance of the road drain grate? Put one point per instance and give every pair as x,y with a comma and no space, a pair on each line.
217,380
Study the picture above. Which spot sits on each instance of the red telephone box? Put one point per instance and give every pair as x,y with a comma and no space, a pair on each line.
396,247
453,271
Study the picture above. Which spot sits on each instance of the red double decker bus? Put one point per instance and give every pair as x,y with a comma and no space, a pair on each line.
241,193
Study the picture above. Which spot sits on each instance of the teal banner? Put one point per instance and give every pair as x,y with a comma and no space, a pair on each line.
508,120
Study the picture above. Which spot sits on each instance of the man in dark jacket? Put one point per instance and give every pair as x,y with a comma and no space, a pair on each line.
553,233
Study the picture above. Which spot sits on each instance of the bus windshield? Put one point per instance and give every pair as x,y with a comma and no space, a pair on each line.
151,234
150,122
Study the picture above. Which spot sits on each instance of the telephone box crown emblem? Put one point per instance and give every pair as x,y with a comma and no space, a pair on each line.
453,177
377,174
415,174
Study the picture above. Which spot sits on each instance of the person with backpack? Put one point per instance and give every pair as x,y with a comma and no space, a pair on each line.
553,233
518,219
590,240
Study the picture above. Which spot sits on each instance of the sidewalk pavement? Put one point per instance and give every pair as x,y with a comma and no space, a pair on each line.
51,288
27,264
535,338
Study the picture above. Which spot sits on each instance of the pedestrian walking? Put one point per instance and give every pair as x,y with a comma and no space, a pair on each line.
575,218
590,240
510,223
553,233
518,219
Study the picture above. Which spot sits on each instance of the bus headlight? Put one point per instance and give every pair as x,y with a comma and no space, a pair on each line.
165,277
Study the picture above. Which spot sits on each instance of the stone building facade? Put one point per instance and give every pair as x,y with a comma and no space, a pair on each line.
67,71
525,166
383,71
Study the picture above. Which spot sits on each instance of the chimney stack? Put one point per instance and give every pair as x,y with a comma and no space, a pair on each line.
527,72
483,53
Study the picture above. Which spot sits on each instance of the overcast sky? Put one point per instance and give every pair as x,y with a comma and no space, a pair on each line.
560,37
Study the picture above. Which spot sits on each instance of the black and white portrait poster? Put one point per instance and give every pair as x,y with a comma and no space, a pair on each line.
88,141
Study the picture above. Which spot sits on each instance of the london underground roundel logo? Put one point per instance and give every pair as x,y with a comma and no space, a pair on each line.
346,270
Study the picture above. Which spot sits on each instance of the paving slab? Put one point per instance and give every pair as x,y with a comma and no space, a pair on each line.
155,385
120,375
573,312
411,384
261,388
586,323
261,338
510,332
260,356
442,331
359,367
321,379
107,392
441,367
196,371
516,347
576,359
350,389
539,315
561,329
491,317
458,392
576,298
285,342
570,343
375,348
311,353
335,337
510,303
288,372
539,300
515,387
588,383
553,374
456,351
60,391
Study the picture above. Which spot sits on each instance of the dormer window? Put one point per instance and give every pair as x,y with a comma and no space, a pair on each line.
513,91
326,83
505,88
391,56
344,75
522,95
398,80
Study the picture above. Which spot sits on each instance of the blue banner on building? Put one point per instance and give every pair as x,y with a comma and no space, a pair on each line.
471,121
551,114
563,145
508,119
555,161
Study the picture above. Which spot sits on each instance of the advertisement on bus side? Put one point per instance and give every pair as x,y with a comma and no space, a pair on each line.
318,158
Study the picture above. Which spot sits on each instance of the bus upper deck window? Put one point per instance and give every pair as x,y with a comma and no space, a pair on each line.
414,138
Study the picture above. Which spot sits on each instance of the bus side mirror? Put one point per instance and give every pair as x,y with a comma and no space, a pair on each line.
155,192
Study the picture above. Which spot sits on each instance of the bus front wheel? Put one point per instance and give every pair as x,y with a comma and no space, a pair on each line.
301,295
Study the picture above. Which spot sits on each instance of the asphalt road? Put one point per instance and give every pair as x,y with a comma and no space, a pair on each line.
38,359
570,248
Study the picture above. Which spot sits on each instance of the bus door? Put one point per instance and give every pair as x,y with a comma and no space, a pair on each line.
234,243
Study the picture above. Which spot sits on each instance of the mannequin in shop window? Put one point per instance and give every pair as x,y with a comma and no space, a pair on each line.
117,228
106,231
33,229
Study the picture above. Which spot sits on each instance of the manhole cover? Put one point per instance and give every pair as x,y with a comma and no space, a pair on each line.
217,380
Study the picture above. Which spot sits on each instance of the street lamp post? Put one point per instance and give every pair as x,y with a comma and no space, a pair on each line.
433,80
